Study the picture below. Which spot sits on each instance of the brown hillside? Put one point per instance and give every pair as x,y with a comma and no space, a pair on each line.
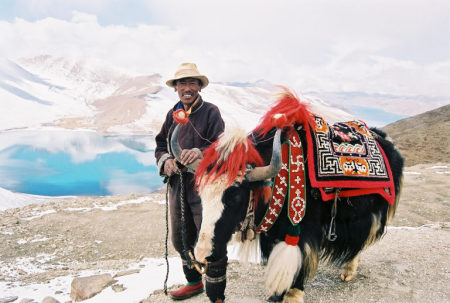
423,138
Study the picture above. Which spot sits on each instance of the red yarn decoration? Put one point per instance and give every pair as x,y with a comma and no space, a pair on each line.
280,120
291,240
289,109
212,167
180,116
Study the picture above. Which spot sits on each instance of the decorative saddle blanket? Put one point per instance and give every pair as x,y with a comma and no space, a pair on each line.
346,155
343,156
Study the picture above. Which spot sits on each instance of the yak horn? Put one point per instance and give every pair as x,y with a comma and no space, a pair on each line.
176,150
271,170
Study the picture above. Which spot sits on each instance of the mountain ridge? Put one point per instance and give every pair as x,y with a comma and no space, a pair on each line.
46,91
423,138
87,94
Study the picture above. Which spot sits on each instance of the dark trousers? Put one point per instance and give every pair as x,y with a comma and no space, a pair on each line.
192,218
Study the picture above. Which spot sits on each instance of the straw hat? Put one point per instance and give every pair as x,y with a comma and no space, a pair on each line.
188,70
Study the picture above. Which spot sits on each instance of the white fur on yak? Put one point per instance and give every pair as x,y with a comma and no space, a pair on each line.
212,208
211,192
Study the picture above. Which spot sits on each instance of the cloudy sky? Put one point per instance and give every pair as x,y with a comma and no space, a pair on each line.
398,47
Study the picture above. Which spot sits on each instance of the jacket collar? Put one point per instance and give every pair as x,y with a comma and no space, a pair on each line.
195,108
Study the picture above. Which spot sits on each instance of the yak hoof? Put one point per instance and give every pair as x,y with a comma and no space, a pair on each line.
349,270
347,278
294,295
275,298
348,273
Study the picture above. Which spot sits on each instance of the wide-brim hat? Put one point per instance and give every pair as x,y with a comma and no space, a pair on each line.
188,70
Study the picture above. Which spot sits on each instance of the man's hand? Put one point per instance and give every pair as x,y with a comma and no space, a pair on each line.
187,157
170,167
190,155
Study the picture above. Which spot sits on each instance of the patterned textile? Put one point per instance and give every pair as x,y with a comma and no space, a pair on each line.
346,155
292,175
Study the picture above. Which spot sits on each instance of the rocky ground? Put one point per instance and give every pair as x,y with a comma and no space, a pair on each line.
410,264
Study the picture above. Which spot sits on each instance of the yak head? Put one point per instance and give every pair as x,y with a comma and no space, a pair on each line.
223,179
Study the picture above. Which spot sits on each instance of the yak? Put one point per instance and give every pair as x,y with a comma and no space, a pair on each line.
266,188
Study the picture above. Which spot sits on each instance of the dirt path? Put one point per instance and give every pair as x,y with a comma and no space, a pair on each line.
410,264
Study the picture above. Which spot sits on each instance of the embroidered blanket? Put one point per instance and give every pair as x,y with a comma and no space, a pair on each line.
346,155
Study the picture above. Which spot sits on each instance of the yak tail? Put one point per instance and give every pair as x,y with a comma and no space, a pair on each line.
283,267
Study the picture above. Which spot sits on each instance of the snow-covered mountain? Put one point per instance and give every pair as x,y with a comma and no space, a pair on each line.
90,94
9,199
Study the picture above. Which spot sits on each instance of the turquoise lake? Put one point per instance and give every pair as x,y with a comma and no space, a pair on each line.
59,163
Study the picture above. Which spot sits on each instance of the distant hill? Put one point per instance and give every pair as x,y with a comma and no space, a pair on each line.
423,138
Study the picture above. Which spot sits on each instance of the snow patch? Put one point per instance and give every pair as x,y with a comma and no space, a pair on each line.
411,173
39,215
137,286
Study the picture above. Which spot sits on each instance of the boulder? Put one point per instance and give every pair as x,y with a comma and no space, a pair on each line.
84,288
118,287
50,300
126,273
8,299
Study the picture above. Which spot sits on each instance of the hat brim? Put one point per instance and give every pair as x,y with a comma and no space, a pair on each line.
202,78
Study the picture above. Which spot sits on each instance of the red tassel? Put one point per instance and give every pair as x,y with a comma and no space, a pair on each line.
280,120
291,240
289,109
212,167
180,116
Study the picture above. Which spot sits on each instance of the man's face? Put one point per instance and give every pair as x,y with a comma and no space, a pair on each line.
188,89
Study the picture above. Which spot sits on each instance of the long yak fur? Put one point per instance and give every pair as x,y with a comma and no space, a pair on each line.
229,155
289,110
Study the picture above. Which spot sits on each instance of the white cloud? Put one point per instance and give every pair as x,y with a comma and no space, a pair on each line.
82,146
80,17
398,47
13,170
123,183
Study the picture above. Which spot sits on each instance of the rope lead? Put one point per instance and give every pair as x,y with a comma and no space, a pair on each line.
167,239
192,263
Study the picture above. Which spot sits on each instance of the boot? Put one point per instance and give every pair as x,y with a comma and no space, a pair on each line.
187,291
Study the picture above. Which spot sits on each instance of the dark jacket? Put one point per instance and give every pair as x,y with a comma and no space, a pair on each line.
208,124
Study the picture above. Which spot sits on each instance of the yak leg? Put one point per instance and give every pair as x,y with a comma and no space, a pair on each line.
349,270
294,295
216,279
309,267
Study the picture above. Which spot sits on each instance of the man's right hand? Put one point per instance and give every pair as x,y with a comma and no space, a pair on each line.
170,167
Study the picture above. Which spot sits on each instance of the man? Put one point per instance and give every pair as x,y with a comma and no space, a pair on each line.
205,125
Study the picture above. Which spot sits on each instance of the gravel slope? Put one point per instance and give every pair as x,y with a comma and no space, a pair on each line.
410,264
